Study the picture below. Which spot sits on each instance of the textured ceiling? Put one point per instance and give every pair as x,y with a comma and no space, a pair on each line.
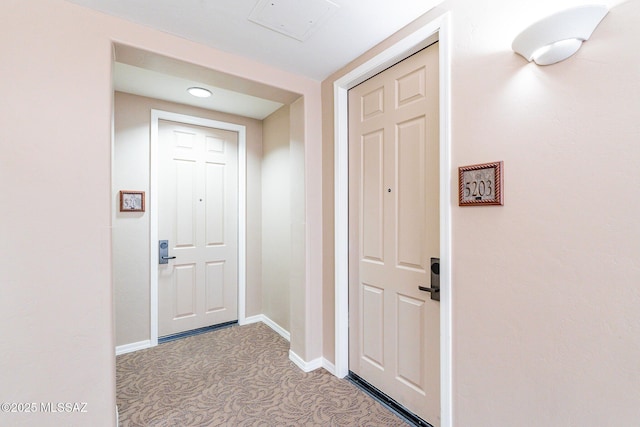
335,38
313,38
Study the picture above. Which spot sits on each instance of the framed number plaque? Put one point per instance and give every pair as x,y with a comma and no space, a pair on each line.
480,184
131,201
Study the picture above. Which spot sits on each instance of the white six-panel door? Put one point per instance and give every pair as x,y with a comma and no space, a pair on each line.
394,329
198,215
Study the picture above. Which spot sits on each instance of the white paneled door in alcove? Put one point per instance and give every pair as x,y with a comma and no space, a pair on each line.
198,216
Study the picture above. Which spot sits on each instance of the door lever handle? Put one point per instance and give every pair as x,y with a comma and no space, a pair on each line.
423,288
163,252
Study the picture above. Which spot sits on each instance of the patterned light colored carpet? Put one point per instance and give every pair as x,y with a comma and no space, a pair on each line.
236,376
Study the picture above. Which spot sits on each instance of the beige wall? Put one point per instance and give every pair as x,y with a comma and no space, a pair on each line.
55,194
276,218
546,326
306,310
131,258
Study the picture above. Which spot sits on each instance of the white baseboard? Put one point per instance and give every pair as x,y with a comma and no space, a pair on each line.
305,366
140,345
134,346
328,366
270,323
251,319
299,362
312,365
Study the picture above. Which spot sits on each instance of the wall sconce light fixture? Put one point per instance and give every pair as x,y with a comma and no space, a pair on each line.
557,37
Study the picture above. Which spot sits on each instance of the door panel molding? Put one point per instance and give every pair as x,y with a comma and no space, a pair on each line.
436,30
156,116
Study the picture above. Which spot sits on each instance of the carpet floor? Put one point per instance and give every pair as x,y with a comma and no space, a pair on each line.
236,376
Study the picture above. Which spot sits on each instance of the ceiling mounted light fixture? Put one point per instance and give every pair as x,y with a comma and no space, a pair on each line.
199,92
557,37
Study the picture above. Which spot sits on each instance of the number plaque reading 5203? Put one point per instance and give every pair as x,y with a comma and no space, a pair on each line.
480,184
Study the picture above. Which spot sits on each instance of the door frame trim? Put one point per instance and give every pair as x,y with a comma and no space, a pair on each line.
436,30
156,116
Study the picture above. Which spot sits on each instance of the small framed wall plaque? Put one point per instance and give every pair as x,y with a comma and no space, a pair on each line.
131,201
480,184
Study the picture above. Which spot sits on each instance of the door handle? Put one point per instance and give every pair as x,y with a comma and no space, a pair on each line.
434,290
163,252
